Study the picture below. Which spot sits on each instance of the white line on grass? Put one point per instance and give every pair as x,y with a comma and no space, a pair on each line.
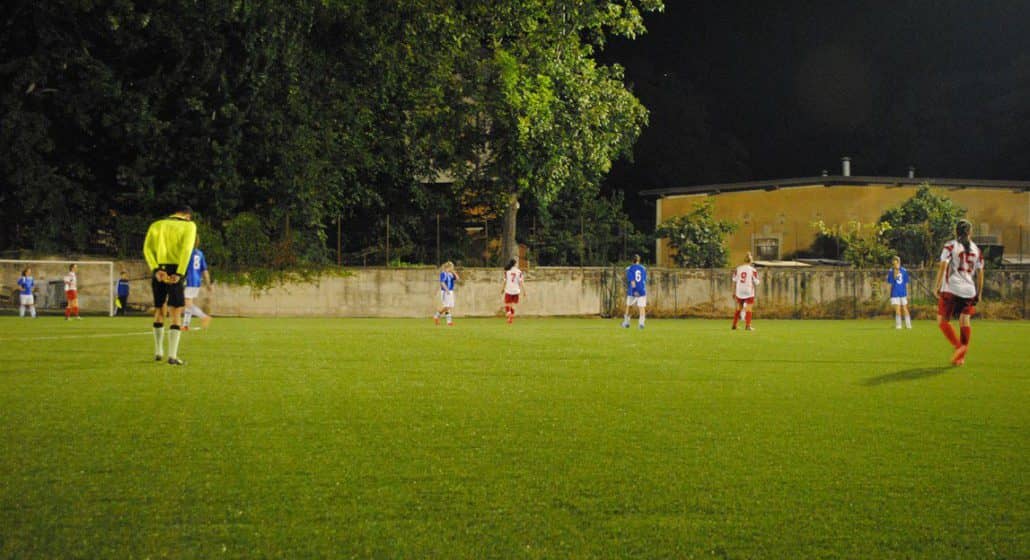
63,336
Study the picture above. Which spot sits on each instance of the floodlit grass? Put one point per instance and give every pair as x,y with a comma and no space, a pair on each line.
549,438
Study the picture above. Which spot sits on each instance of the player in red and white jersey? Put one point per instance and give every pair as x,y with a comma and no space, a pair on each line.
745,278
513,287
959,285
71,293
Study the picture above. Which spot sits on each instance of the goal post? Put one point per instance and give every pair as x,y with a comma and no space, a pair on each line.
96,284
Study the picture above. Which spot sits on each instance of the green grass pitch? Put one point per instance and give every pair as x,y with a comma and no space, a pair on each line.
550,438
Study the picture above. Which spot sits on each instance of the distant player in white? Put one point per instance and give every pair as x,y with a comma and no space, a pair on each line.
745,278
447,278
513,288
71,293
636,292
957,290
26,285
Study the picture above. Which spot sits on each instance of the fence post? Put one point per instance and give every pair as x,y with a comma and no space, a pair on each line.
854,294
675,294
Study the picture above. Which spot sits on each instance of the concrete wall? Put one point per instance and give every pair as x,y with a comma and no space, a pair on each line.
412,292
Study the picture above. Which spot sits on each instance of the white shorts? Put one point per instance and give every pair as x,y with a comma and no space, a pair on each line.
191,293
639,301
27,299
899,301
446,298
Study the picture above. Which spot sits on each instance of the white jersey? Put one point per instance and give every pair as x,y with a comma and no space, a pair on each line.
745,278
962,267
513,281
70,282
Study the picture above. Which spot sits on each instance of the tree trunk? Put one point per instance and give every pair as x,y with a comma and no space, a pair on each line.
510,247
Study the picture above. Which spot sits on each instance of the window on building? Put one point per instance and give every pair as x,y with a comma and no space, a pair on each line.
767,249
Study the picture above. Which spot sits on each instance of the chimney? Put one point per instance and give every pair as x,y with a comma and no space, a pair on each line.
845,163
911,171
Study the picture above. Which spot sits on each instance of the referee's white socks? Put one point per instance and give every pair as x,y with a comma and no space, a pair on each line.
173,341
159,338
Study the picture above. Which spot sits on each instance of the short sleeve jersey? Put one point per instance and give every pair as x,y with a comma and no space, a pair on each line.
512,279
197,267
70,282
962,267
636,280
26,283
745,278
447,281
898,282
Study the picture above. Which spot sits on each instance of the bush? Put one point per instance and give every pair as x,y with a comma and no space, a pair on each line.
247,242
698,238
211,242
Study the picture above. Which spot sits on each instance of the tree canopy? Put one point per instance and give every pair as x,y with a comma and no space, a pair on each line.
284,116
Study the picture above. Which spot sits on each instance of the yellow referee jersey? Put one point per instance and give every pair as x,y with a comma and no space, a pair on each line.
170,241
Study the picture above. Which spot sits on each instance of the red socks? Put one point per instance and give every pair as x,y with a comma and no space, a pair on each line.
949,332
67,312
736,318
747,319
966,333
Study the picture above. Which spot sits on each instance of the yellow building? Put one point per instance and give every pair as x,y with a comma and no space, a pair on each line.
775,217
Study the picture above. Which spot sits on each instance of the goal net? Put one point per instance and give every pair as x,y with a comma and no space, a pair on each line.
96,285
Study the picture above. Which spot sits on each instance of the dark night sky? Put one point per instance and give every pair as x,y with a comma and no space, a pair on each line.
742,90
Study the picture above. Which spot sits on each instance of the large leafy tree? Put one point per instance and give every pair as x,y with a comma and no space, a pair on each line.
537,113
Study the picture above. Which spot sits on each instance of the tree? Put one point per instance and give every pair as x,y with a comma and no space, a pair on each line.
921,225
537,113
697,238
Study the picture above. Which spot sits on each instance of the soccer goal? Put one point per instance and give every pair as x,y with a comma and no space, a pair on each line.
96,284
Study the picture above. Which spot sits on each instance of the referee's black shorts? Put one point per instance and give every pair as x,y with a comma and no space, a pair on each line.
172,294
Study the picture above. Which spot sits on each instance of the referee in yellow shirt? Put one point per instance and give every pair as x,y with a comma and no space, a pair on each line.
167,250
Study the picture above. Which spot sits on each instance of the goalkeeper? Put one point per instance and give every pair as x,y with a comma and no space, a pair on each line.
167,250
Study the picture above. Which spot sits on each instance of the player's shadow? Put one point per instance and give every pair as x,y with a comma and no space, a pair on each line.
905,375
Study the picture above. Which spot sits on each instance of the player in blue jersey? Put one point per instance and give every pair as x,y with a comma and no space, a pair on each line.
26,284
636,291
196,276
898,280
447,278
123,294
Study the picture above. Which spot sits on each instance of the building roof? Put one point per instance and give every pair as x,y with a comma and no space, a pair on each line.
836,181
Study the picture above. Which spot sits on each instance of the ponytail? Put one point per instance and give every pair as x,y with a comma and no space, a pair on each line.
962,229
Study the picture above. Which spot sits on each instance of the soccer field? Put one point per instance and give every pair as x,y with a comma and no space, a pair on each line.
549,438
